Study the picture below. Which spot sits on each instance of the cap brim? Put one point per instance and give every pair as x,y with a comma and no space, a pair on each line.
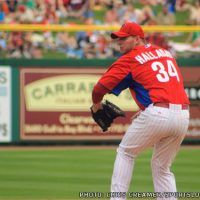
118,34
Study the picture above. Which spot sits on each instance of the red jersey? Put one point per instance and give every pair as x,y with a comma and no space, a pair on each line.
150,72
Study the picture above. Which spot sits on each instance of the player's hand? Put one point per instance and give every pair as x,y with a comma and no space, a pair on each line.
96,107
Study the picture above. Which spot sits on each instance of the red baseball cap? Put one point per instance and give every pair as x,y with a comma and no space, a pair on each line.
128,29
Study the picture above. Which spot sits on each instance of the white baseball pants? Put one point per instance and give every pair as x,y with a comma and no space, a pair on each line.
162,128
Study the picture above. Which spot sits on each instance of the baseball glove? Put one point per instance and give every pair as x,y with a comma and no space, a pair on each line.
105,116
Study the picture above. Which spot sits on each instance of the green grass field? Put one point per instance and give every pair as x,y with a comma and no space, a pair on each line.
46,174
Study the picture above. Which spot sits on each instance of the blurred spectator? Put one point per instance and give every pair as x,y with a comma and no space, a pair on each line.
50,16
150,2
61,41
120,7
171,4
79,8
62,8
15,45
147,13
37,39
111,17
157,38
12,5
97,5
194,38
194,10
36,52
103,48
24,14
30,4
165,17
85,40
109,4
48,42
3,11
3,44
89,51
131,14
73,51
180,5
39,11
4,7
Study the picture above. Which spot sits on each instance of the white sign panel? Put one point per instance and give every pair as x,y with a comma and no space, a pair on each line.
5,104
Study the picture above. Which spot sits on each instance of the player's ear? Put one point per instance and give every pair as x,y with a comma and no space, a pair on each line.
139,40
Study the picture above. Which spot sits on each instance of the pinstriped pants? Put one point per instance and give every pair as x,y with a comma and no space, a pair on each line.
161,128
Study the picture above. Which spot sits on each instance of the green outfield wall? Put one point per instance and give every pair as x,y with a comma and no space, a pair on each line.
47,101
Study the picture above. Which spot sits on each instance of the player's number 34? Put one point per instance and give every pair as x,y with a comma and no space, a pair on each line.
163,75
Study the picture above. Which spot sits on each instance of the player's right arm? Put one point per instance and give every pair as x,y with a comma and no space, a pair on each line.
97,95
115,78
110,82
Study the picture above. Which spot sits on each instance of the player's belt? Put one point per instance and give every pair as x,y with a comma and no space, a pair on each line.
167,105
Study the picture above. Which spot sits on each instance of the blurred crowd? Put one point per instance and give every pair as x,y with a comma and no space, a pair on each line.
93,44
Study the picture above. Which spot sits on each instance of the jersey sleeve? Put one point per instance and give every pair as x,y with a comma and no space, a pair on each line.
117,77
98,92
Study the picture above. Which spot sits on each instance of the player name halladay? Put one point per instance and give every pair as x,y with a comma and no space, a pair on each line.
147,56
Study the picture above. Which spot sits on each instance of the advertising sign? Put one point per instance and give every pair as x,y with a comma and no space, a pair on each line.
55,104
5,104
191,77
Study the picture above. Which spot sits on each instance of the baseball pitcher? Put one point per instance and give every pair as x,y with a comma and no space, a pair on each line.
155,83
